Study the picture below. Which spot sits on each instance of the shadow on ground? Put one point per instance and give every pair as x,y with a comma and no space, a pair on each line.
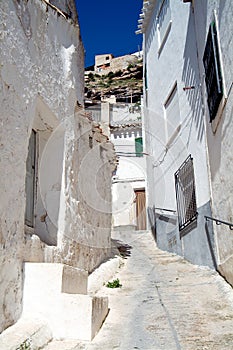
123,248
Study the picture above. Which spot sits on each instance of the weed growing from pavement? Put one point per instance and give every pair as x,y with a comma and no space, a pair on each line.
26,345
114,284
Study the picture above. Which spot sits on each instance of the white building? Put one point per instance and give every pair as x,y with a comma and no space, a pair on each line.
189,167
129,181
50,208
124,125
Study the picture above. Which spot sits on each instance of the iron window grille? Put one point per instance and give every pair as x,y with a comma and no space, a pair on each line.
185,194
213,75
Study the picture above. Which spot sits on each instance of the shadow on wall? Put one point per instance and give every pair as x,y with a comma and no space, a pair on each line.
222,9
152,221
191,77
209,230
151,30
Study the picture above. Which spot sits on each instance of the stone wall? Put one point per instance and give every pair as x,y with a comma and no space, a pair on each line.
116,64
123,62
41,80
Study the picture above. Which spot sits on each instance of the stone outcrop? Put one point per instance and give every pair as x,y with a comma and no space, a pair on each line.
125,84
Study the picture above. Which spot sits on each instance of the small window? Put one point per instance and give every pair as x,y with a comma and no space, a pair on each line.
164,22
185,194
172,113
139,147
213,75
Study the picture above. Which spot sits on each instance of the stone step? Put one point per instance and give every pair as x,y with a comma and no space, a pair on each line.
26,331
59,277
63,345
128,236
70,316
103,274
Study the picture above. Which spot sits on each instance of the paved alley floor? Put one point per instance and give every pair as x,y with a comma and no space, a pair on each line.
165,303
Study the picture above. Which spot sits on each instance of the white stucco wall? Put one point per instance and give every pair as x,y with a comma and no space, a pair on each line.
123,113
176,63
173,131
220,142
35,42
41,80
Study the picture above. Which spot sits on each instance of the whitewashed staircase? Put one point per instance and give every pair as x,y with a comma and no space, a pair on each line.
55,306
57,293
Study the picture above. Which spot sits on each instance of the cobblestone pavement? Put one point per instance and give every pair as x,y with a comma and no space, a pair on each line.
165,303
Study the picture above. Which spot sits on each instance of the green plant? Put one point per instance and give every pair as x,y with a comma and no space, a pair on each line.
26,345
91,77
110,75
130,66
118,73
114,284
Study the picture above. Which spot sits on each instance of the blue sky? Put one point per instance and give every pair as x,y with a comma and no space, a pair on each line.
109,27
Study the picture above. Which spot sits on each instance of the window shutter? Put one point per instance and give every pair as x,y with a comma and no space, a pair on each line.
139,147
213,76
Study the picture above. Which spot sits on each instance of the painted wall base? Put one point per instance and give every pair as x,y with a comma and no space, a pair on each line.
197,242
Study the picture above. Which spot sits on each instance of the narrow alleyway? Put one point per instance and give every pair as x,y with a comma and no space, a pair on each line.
165,303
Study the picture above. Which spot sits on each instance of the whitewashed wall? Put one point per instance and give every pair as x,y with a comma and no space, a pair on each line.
41,80
220,141
169,142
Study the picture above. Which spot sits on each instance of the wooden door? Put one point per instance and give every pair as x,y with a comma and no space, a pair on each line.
141,209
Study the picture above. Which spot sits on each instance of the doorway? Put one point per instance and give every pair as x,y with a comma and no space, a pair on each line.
30,180
140,209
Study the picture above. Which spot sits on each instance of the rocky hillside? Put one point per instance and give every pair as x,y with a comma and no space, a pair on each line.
125,84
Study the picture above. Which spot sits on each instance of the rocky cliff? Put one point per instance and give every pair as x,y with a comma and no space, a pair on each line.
126,84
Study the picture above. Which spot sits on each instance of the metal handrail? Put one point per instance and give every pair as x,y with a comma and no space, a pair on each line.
219,222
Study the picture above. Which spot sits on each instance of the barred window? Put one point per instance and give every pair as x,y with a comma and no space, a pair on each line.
213,75
185,193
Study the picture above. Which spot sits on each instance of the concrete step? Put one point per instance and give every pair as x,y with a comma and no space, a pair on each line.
70,316
26,331
60,278
128,236
63,345
124,228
